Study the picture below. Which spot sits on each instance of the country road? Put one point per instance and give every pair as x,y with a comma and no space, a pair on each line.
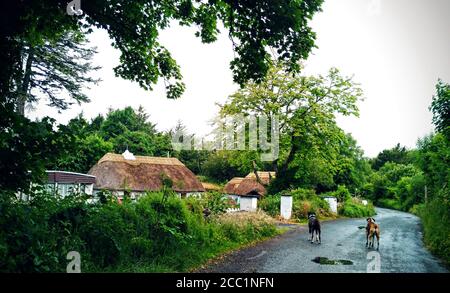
401,249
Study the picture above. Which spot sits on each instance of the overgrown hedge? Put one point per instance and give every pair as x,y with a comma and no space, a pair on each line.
156,233
435,217
353,208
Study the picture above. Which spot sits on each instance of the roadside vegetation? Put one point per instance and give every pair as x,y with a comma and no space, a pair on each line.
306,200
418,180
157,233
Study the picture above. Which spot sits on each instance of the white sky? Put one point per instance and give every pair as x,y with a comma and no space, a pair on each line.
396,49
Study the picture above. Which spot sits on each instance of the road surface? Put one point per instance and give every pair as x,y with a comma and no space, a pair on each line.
401,249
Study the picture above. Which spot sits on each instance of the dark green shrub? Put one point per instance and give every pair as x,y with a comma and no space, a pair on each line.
215,202
435,217
270,204
158,232
390,203
342,194
354,209
36,236
302,193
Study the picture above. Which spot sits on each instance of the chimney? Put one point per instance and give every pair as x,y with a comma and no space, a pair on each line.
128,156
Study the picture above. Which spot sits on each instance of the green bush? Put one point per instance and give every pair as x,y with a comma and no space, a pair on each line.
341,193
352,208
158,232
304,201
435,217
390,203
215,202
302,193
270,204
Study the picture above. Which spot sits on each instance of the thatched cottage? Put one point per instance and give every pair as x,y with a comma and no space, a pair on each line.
239,186
134,175
245,191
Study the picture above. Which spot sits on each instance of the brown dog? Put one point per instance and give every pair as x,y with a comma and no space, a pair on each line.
372,231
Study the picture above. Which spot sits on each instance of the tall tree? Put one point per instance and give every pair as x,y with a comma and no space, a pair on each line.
305,107
55,69
440,106
134,26
397,154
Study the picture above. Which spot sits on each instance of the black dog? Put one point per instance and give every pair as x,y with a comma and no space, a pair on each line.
314,228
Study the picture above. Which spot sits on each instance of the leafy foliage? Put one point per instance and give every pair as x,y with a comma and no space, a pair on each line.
25,148
435,216
304,201
398,155
305,107
134,28
352,208
440,107
156,233
215,202
55,69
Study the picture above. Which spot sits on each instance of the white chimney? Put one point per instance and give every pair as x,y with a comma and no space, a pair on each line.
128,156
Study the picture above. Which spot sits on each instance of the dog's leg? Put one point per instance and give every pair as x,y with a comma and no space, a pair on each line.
318,237
312,236
378,240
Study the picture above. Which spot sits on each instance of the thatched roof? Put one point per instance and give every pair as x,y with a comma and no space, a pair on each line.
244,186
114,172
250,186
211,186
264,176
231,185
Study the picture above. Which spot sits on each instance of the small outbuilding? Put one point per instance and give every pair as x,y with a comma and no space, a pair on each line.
65,183
245,191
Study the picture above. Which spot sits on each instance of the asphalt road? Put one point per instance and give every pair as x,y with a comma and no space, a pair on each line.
401,249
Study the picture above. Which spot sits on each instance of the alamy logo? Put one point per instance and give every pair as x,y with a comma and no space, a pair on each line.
74,8
237,133
74,265
374,265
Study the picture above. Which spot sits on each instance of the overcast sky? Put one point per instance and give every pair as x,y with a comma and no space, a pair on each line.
396,49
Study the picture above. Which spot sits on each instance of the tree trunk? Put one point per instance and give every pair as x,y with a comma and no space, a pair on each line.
290,157
275,166
23,91
255,171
